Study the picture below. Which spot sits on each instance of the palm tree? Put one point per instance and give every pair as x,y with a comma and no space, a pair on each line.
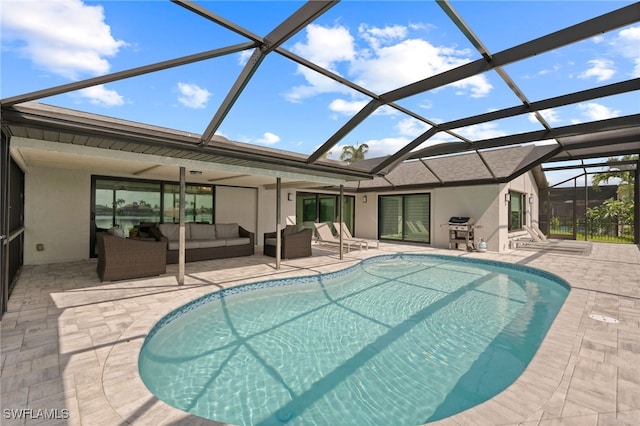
622,209
626,176
351,153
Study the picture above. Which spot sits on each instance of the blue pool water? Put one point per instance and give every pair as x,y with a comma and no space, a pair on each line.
402,340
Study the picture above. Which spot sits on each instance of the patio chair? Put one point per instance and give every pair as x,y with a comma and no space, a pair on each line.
295,242
325,236
346,234
127,258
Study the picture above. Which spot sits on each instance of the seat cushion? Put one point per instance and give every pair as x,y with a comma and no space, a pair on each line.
200,231
227,230
237,241
210,243
172,231
188,244
116,232
270,242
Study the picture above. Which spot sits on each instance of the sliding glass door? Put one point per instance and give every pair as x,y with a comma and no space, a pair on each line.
312,208
126,203
405,217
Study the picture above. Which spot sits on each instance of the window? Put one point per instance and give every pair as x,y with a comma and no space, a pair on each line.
312,208
128,202
198,203
405,217
516,211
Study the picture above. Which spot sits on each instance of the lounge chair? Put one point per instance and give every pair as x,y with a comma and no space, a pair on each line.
346,234
538,241
325,236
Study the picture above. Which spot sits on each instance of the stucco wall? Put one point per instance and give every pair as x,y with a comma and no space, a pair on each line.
485,203
267,210
56,215
237,205
57,212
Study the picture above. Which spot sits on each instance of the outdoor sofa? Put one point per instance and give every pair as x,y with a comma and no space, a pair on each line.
295,242
122,258
205,241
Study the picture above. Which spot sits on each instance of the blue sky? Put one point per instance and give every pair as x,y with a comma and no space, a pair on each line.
380,45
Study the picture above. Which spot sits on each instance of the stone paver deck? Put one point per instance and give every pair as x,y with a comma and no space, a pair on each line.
69,343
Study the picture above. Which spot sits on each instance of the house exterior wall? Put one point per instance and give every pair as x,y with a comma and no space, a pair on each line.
485,203
57,212
267,211
526,185
237,205
56,215
58,208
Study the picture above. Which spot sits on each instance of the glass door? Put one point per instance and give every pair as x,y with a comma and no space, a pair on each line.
123,204
312,208
405,217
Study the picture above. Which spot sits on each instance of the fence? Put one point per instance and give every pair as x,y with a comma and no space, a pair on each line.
611,231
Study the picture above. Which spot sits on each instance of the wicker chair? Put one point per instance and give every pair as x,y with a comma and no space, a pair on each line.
294,243
126,258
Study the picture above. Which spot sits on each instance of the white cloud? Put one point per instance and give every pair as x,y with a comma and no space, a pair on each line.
412,127
385,60
413,60
268,138
193,96
326,45
100,95
601,69
244,56
65,37
377,36
481,131
550,115
628,44
347,107
594,111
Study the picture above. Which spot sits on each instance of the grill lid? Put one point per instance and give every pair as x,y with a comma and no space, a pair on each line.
459,220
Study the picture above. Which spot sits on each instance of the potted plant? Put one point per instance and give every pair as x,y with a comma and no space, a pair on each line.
133,232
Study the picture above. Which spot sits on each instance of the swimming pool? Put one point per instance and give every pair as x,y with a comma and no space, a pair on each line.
400,339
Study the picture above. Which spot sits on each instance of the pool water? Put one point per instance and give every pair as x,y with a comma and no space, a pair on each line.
400,340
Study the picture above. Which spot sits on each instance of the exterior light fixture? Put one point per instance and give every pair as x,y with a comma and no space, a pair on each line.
507,197
364,199
290,196
195,172
530,198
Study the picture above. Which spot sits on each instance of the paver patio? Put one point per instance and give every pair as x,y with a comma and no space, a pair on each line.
69,343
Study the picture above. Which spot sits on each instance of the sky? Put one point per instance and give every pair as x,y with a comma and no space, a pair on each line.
379,45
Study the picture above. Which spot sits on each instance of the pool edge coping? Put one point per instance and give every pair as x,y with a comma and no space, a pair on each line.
121,365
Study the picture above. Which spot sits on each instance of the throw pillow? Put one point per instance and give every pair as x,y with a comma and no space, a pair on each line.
116,232
227,230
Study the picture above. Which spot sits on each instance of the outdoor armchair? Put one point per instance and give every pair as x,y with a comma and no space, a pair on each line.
295,242
125,258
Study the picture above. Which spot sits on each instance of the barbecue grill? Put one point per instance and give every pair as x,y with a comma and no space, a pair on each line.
461,231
